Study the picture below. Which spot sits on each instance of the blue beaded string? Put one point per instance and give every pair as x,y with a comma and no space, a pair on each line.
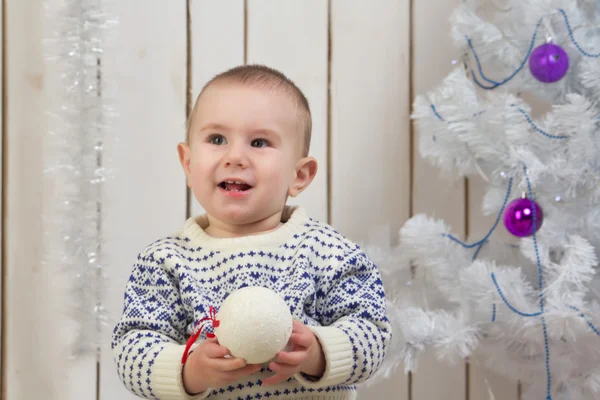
479,244
540,288
529,51
521,110
437,114
516,311
585,53
587,321
511,76
540,313
537,128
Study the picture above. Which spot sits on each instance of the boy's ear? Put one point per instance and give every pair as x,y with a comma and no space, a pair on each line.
184,158
306,169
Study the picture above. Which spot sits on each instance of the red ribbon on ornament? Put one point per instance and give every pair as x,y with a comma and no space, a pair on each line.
215,323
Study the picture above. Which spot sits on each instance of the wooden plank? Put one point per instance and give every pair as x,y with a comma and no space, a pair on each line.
369,115
144,73
432,194
211,56
370,103
482,380
81,378
33,360
80,374
2,194
278,37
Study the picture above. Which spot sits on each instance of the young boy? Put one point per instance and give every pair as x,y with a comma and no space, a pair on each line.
245,154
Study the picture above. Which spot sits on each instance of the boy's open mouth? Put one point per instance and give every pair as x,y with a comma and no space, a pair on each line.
235,186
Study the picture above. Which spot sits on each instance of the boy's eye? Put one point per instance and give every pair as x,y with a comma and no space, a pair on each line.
216,140
259,143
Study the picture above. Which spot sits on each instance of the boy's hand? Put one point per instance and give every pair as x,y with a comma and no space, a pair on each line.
305,356
207,367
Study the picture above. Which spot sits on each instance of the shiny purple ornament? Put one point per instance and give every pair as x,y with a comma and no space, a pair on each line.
518,217
549,63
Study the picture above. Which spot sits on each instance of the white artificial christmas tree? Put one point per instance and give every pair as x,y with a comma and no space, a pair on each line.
530,305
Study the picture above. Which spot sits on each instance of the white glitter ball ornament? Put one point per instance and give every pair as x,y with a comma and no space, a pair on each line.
255,324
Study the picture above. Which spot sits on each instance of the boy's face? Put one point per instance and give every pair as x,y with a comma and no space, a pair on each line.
245,153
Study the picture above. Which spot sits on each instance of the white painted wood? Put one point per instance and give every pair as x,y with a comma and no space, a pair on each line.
33,348
437,196
81,378
145,75
369,115
370,160
292,37
80,374
217,36
482,379
144,72
2,193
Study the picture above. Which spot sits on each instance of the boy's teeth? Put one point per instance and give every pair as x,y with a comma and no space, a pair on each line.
235,186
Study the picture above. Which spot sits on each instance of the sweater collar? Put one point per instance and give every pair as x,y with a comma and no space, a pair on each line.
293,218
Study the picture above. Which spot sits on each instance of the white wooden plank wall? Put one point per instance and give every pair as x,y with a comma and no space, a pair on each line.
30,344
209,19
433,54
370,152
360,63
2,193
292,37
145,75
483,381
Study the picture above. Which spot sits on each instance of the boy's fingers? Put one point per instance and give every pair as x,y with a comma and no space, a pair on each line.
291,357
247,370
283,369
228,364
232,376
301,339
298,326
213,350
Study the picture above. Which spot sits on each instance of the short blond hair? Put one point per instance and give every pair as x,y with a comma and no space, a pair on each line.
257,75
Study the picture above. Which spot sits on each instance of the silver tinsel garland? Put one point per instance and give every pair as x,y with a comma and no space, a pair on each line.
78,114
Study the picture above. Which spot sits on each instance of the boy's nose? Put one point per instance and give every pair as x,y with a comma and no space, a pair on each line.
236,157
235,163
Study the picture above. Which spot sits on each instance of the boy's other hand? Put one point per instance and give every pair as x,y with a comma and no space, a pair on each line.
306,355
207,367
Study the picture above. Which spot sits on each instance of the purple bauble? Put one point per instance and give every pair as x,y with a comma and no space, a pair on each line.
518,217
549,63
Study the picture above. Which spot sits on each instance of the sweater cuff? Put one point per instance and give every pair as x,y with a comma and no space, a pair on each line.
338,358
167,376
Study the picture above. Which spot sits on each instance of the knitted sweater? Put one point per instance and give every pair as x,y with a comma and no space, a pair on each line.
329,284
